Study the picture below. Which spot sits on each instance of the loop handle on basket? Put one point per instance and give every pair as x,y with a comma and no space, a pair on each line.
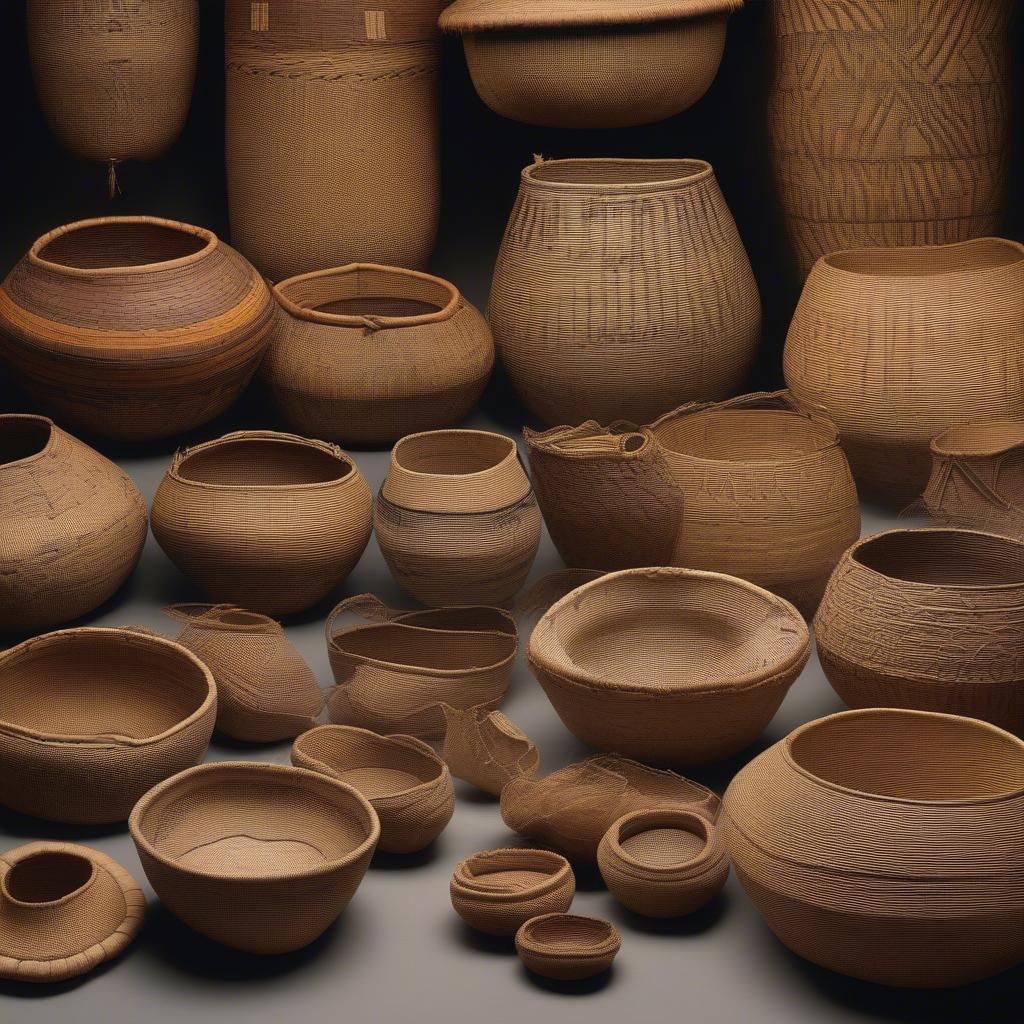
259,435
366,606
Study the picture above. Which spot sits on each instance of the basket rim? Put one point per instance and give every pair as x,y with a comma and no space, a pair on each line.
940,443
701,171
827,264
664,816
562,871
47,448
610,944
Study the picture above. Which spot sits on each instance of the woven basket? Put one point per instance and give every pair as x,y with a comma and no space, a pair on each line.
134,327
896,345
671,666
406,783
890,123
663,863
395,671
265,690
621,289
589,64
571,809
114,77
92,718
263,520
456,519
498,891
367,354
73,525
64,910
977,477
260,857
767,494
887,845
332,132
928,619
567,947
484,748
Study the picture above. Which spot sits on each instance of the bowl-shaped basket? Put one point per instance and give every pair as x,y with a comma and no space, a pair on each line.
498,891
260,857
670,666
928,619
887,845
407,784
92,718
567,947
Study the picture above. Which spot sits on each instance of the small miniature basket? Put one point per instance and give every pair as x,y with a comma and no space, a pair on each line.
484,748
406,783
567,947
663,863
497,891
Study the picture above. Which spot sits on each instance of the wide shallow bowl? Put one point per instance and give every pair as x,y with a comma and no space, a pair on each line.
567,947
259,857
669,666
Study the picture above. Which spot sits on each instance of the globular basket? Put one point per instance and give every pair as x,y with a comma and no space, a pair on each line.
896,345
484,748
265,690
621,289
567,947
498,891
90,719
670,666
366,354
456,519
589,64
406,783
74,525
663,863
767,493
332,132
267,521
396,671
887,845
928,619
260,857
134,328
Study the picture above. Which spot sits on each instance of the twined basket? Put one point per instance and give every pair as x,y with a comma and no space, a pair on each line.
896,345
134,327
928,619
621,289
263,520
74,525
567,947
332,132
588,63
366,354
887,845
890,123
456,519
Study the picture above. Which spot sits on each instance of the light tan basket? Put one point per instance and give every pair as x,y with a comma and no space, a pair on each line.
484,748
567,947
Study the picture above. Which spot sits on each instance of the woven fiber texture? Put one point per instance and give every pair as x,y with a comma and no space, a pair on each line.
572,808
566,947
481,15
887,845
396,670
621,289
978,477
456,519
92,718
672,666
263,520
332,132
406,783
663,863
260,857
265,690
367,354
114,77
890,123
64,910
609,500
134,328
73,525
896,345
928,619
498,891
484,748
767,493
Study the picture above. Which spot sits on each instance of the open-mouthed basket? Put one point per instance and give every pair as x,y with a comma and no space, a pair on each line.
567,947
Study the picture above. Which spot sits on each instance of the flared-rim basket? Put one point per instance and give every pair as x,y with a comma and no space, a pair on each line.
615,176
664,817
979,440
511,859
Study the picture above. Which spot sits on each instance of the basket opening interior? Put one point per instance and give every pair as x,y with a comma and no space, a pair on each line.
126,243
23,437
569,934
452,453
945,558
410,646
663,841
911,756
980,255
504,870
991,437
47,876
262,462
366,291
235,617
616,172
744,435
